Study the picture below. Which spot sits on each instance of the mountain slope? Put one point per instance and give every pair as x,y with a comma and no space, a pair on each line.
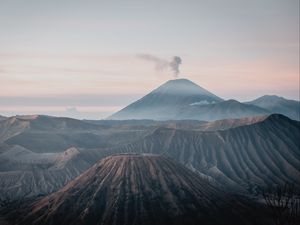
276,104
246,157
182,99
44,134
242,153
25,174
230,109
13,126
226,124
163,103
137,190
16,125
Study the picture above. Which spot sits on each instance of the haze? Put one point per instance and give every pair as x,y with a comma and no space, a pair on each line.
80,58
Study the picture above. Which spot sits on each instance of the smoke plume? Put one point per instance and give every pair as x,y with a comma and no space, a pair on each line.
163,64
174,64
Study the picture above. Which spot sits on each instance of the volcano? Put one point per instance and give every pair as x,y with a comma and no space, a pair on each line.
181,99
165,102
137,190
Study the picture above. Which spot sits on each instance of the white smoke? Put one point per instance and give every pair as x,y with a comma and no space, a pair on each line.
163,64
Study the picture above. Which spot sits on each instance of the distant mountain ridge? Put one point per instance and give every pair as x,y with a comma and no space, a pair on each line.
32,132
182,99
52,151
276,104
230,109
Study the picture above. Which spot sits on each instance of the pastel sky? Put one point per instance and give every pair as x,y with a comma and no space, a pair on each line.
80,58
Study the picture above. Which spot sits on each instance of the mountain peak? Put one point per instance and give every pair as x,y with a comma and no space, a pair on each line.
182,81
277,117
271,98
279,105
142,185
232,102
166,101
184,87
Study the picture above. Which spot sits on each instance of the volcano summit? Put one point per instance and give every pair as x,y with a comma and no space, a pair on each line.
133,189
181,99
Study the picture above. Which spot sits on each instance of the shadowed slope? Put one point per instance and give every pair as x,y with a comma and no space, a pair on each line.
261,154
255,152
137,190
25,174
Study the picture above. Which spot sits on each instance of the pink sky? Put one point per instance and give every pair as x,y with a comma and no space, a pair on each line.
52,54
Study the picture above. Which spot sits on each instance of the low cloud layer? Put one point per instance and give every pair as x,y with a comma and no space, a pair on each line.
164,64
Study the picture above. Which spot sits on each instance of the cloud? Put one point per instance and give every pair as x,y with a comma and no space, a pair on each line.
160,64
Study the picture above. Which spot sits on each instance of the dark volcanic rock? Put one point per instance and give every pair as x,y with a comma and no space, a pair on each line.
137,190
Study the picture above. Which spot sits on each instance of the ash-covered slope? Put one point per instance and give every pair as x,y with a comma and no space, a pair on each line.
261,154
40,154
44,134
181,99
241,153
13,126
137,190
25,174
276,104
